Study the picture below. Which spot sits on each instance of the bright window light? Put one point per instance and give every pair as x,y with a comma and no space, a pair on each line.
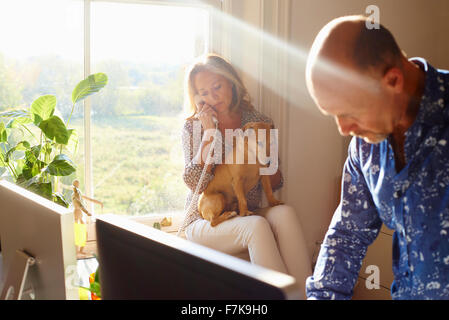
136,122
30,28
137,157
42,52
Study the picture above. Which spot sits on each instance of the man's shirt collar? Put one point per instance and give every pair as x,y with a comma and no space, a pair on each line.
431,109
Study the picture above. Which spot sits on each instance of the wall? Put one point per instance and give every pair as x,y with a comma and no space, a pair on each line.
313,152
442,45
420,28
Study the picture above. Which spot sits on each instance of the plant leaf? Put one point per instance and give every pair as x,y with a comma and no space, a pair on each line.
47,149
36,150
59,199
54,128
97,275
43,108
32,166
19,113
21,146
19,164
90,85
27,172
72,144
61,166
3,133
95,288
17,118
30,157
2,159
43,189
18,121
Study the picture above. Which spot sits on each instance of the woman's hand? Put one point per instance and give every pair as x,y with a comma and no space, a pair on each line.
205,114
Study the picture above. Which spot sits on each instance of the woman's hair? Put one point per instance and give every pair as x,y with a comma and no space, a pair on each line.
218,65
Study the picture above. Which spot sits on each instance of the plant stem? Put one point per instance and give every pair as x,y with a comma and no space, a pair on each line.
11,169
55,186
67,123
71,112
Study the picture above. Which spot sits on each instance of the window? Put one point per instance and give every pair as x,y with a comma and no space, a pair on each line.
135,121
41,52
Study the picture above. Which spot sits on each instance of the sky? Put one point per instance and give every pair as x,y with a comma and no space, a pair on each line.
135,32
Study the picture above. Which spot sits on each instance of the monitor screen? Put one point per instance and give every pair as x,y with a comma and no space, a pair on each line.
141,262
36,227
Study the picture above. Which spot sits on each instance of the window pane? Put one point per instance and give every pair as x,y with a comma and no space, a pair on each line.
41,52
137,119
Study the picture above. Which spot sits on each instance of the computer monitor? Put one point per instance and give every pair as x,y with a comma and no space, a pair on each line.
141,262
35,229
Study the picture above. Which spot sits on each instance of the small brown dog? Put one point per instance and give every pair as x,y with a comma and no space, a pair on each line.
226,192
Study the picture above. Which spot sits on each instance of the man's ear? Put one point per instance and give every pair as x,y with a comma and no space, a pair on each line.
393,80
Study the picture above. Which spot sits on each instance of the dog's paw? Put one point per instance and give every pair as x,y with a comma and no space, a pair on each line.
233,214
246,213
275,203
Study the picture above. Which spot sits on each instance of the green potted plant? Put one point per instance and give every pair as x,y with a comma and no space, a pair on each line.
41,156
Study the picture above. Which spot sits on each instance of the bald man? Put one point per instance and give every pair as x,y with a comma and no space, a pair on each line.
397,169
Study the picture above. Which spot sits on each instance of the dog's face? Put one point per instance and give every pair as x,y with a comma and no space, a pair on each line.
262,137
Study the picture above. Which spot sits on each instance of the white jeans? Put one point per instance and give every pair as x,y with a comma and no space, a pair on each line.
273,238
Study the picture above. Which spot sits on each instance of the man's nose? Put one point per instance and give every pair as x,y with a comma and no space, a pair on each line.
345,125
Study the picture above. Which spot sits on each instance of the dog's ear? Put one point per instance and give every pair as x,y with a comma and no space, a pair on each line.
249,125
267,126
258,125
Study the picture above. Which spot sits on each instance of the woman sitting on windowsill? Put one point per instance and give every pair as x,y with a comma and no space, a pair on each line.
273,236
